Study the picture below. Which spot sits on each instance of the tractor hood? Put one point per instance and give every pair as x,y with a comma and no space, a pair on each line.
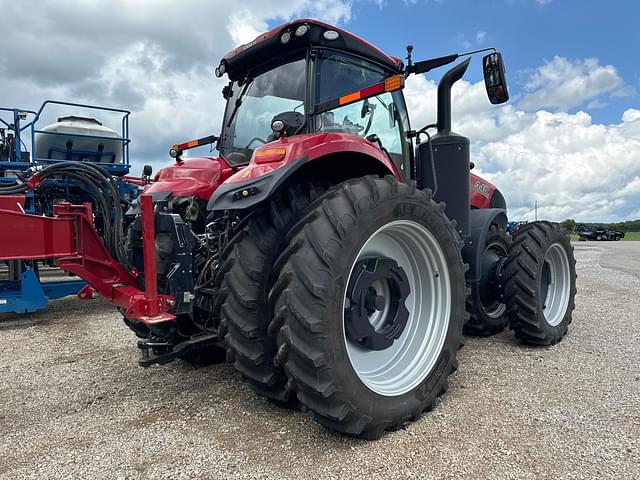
190,177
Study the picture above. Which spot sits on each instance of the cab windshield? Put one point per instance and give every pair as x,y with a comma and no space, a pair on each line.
248,125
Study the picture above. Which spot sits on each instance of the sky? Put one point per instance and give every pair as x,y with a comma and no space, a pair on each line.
569,138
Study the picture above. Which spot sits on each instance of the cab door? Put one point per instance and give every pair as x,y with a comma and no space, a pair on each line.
382,119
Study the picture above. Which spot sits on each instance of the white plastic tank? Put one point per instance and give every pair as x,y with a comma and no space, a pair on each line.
74,143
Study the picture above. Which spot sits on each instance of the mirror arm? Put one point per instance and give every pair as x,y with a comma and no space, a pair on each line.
426,65
473,52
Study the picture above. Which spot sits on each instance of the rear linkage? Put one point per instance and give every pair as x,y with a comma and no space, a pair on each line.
158,253
71,239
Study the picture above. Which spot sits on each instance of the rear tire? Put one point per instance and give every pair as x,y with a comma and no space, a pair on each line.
487,311
540,283
245,313
354,388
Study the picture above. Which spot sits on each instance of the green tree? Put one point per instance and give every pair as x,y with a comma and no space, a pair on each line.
569,224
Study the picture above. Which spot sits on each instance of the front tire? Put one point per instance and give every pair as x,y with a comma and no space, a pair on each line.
247,278
400,242
540,283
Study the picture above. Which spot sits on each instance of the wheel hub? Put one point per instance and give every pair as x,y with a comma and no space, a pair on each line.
491,288
376,314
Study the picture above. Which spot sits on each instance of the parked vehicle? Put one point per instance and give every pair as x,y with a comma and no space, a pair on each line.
514,227
600,234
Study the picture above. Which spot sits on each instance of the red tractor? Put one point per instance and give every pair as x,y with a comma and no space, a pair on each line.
332,253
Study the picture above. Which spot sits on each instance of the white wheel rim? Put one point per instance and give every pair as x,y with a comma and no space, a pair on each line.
409,360
556,301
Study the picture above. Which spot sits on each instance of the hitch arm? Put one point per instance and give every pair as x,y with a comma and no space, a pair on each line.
71,239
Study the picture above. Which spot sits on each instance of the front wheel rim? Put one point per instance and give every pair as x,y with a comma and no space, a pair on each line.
556,274
408,361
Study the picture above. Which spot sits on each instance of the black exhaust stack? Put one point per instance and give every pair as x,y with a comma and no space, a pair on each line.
444,95
447,173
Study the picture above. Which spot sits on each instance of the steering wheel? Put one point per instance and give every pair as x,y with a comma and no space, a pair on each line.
254,139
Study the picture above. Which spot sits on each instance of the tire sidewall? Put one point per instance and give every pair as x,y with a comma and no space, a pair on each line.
556,238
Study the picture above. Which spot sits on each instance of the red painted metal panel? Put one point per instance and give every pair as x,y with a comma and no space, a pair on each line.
313,146
481,191
14,203
32,237
148,245
197,177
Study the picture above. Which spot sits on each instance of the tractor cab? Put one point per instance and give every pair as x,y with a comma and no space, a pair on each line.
307,77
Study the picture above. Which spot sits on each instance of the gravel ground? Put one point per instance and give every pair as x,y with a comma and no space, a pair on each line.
74,403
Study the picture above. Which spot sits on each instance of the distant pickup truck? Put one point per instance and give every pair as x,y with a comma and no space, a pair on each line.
600,234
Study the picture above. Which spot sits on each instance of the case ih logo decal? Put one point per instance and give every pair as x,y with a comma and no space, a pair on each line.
482,189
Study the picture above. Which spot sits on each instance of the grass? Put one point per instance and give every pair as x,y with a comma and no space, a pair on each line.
632,236
629,236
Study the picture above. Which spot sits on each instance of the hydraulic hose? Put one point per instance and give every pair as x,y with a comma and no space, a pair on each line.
11,188
101,186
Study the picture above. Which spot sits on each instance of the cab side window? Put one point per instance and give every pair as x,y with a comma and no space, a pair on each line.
338,74
382,115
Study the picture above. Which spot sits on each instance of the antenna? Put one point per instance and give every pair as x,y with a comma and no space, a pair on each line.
409,60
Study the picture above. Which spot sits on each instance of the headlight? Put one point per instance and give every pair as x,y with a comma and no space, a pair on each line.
302,29
278,126
285,37
330,35
221,69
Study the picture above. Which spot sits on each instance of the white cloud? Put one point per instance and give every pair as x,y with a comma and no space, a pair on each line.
631,115
570,165
154,57
564,84
480,37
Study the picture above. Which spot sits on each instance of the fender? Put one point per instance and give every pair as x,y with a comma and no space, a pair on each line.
191,177
271,164
479,221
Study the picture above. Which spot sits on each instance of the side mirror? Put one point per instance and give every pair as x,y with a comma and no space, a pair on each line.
393,113
495,79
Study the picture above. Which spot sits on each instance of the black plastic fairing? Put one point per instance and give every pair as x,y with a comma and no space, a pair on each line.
230,196
480,220
498,201
451,168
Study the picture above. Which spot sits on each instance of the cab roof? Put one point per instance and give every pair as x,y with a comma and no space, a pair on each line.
268,48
